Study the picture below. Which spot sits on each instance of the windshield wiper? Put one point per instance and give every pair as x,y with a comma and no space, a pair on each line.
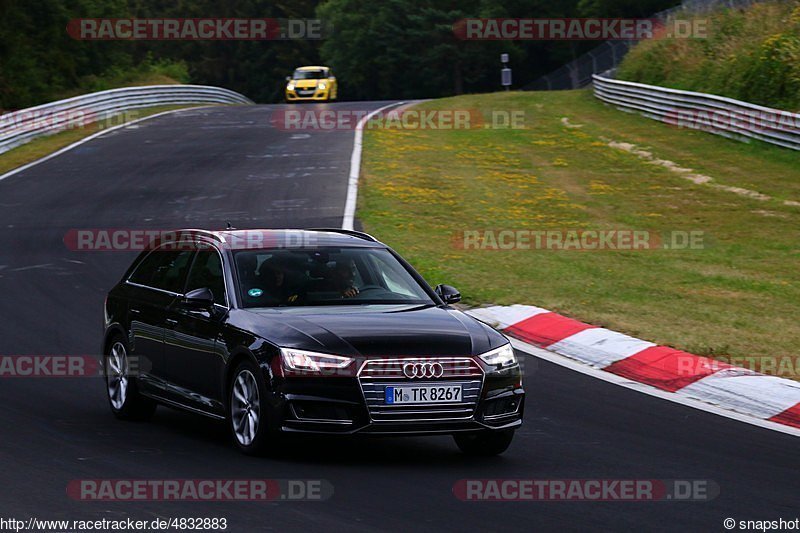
415,308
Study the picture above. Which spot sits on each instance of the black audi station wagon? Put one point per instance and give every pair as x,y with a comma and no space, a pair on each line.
293,331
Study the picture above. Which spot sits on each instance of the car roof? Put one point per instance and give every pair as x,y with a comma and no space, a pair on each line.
291,238
312,68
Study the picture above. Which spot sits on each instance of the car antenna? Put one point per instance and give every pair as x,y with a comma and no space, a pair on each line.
228,225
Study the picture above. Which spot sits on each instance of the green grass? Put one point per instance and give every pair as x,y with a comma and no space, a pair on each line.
751,54
43,146
737,297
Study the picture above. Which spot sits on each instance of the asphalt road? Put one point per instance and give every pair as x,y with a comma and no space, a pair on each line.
200,168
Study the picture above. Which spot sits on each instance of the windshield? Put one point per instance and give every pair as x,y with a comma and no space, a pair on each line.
309,74
325,276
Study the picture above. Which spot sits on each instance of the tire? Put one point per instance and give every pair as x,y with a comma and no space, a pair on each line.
247,411
124,398
484,443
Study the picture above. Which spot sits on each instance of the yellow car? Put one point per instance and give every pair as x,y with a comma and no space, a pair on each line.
311,84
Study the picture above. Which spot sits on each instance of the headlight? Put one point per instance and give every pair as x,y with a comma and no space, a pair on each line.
502,357
290,86
322,85
312,362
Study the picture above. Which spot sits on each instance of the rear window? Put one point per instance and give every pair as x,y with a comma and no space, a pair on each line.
163,269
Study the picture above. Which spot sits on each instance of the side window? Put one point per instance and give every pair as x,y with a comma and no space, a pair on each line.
163,269
207,273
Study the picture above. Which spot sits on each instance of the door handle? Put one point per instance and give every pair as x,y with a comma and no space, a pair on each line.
171,322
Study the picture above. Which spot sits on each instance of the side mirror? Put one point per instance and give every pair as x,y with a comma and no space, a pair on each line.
448,294
199,299
288,78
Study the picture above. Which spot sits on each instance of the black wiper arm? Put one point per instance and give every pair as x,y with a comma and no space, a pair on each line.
416,308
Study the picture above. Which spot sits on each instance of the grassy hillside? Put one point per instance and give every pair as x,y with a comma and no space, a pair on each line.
148,72
580,165
751,55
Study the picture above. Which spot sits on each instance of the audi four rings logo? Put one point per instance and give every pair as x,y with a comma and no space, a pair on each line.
423,370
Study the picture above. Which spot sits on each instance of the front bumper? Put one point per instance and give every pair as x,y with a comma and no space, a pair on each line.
345,405
308,95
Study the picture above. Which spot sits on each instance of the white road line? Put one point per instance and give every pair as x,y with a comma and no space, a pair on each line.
355,169
89,138
647,389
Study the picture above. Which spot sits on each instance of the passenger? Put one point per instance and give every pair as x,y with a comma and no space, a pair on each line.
274,280
247,264
343,277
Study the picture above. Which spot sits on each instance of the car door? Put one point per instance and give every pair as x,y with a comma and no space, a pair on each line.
154,286
194,359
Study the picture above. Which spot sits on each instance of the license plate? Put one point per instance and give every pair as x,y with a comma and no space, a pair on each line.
428,393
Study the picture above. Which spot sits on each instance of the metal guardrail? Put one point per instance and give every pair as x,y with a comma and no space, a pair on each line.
707,112
20,127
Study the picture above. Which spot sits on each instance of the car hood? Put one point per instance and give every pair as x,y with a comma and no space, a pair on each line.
368,331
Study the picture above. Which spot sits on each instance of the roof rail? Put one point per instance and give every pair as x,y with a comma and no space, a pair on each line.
204,232
352,233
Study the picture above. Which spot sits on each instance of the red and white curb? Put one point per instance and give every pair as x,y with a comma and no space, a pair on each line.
766,401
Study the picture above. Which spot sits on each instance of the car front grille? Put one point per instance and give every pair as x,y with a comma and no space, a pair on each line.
376,374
